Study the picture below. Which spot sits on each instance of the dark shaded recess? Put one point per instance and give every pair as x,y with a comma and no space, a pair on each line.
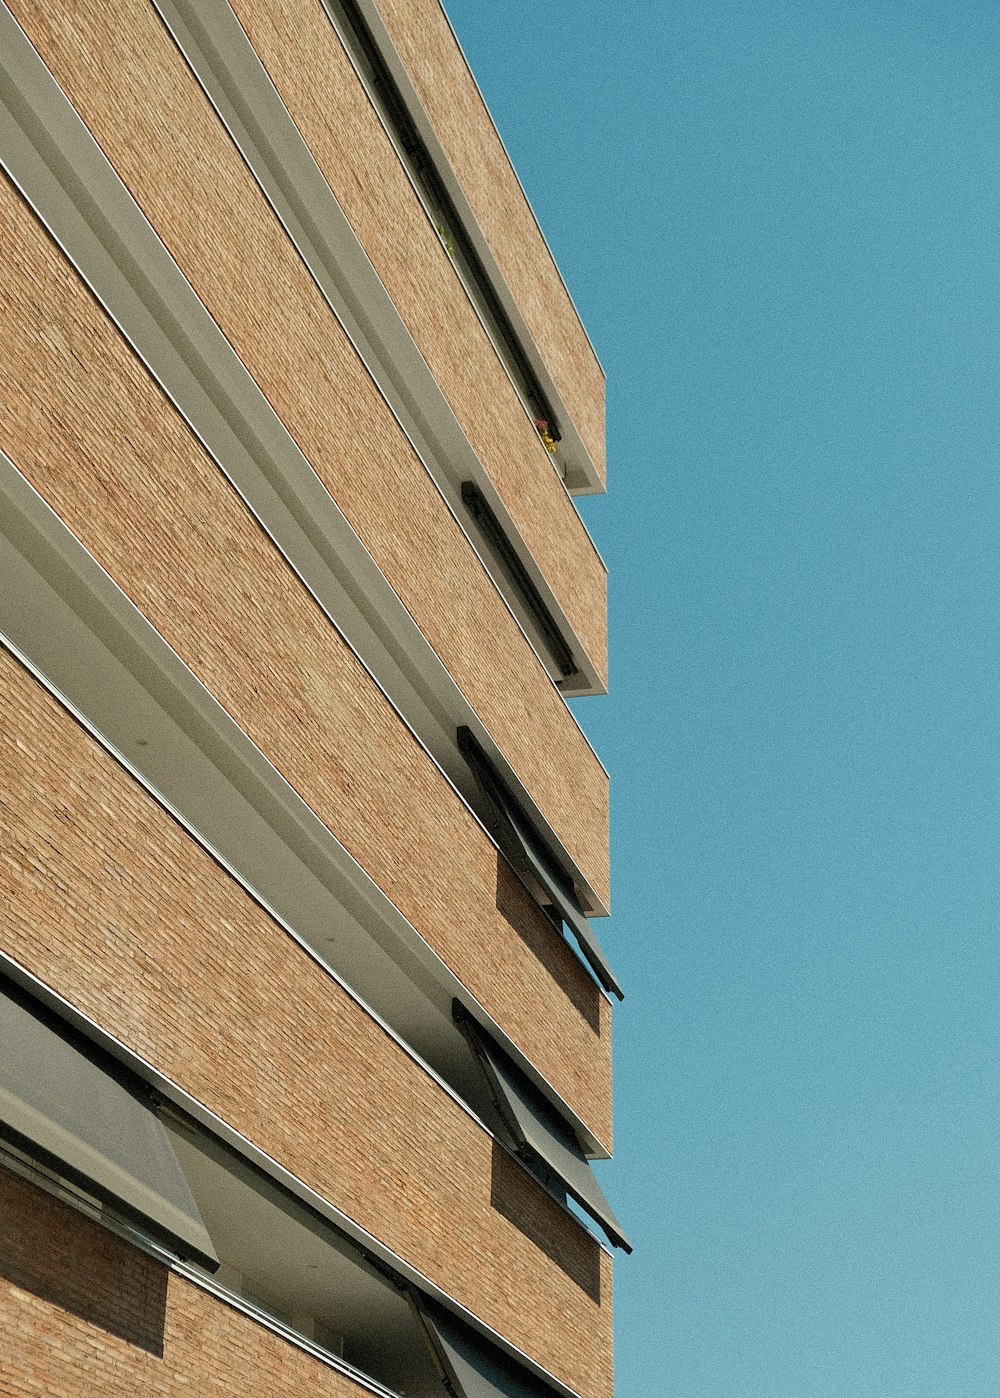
524,1202
478,506
546,943
538,1135
472,1367
411,141
71,1262
521,842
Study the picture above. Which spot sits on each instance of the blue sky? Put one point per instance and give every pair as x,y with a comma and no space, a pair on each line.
780,224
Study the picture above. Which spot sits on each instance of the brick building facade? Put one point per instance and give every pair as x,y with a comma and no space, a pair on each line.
304,1024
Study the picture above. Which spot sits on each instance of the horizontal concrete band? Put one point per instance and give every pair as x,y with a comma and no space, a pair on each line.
95,649
506,460
431,71
182,1330
182,344
157,941
382,74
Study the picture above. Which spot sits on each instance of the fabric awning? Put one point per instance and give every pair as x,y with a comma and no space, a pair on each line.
536,1128
474,1368
62,1097
528,854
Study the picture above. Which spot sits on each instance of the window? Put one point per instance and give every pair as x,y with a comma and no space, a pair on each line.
493,532
440,207
70,1113
84,1116
296,1268
524,848
472,1367
536,1133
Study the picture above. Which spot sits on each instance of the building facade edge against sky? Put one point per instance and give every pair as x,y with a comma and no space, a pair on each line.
208,748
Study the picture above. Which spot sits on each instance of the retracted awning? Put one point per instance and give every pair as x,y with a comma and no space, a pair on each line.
482,512
85,1114
473,1367
536,1129
526,851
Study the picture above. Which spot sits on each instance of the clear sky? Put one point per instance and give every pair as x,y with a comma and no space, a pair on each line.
781,224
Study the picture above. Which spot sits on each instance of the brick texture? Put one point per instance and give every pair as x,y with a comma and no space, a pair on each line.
83,421
85,1315
107,899
302,52
516,1195
133,89
42,1246
437,68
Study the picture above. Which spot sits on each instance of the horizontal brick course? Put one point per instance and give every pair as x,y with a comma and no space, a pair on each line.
106,897
85,1315
438,71
109,901
308,65
81,418
133,89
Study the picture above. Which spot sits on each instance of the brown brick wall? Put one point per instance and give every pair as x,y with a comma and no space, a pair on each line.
516,905
85,1315
301,51
133,89
84,422
423,36
521,1199
109,901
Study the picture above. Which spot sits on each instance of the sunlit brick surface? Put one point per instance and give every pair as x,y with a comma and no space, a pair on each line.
162,135
107,899
420,30
92,432
85,1315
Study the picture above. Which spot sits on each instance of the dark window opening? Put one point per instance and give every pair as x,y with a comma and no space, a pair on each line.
535,1132
470,1366
495,535
96,1142
529,855
445,215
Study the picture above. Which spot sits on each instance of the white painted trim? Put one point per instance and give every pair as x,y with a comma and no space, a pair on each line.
582,476
104,610
65,177
267,1165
